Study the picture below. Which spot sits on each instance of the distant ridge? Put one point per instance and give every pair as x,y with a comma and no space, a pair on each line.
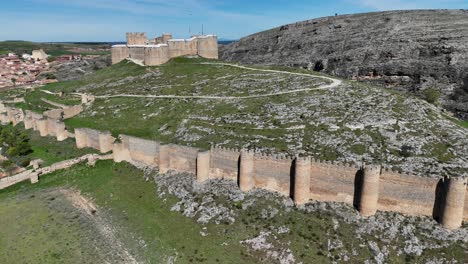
414,50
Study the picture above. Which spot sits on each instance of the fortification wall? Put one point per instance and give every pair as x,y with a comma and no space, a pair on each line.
367,187
91,138
156,55
137,149
182,158
137,52
224,163
408,194
273,174
119,53
136,38
182,47
208,47
330,182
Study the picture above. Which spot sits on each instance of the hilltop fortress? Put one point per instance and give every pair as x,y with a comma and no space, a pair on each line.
160,50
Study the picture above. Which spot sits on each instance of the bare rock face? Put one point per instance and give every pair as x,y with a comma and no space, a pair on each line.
411,50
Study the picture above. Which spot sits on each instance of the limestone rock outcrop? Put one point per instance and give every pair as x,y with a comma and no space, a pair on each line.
412,50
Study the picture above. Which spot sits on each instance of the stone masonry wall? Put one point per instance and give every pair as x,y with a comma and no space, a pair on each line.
408,194
224,163
330,182
366,186
273,174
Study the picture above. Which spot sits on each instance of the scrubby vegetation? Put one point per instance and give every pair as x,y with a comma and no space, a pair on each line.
45,226
15,146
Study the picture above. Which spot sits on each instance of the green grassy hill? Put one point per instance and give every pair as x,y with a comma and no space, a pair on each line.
20,47
353,122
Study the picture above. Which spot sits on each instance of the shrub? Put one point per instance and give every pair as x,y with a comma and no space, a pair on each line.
432,95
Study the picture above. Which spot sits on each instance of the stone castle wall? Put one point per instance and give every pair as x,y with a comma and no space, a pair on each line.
208,47
368,188
160,50
224,163
182,47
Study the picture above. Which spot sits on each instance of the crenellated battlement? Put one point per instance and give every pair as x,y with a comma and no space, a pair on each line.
370,188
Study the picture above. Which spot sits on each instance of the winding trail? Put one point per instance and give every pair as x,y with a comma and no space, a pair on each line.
335,83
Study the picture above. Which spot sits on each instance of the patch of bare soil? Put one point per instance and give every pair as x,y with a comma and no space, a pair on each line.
90,210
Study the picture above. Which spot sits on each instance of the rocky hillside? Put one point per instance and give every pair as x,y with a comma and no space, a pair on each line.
419,51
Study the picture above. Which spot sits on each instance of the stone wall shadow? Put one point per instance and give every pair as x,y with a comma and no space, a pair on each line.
439,202
292,178
358,180
238,170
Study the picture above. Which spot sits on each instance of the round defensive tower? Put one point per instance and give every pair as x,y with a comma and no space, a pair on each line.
246,181
119,53
369,191
156,54
452,215
302,181
208,46
203,166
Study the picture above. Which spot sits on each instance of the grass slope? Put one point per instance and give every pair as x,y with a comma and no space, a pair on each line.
354,122
44,229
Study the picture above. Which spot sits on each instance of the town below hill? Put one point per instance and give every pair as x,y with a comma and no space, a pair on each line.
31,64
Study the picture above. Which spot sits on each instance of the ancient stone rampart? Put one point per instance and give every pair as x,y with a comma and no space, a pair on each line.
182,47
208,47
156,55
272,173
159,50
136,149
119,53
91,138
369,188
224,163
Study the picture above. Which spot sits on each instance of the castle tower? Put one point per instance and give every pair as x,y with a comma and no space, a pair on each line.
136,38
370,191
302,181
119,53
203,166
166,37
452,215
208,46
246,181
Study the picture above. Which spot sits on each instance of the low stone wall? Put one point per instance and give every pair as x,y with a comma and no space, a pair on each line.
33,175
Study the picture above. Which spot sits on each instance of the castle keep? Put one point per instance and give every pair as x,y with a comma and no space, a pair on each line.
160,50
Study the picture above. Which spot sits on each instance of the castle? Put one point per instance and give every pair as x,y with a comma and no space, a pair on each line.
160,50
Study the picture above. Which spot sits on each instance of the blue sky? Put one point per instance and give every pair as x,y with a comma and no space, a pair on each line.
108,20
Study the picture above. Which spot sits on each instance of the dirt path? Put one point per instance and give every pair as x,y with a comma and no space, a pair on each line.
105,230
335,83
